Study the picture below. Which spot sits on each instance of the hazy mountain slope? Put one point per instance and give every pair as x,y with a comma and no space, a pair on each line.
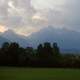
2,40
67,39
12,36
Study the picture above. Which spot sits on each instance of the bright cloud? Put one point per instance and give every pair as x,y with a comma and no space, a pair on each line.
26,31
2,28
47,4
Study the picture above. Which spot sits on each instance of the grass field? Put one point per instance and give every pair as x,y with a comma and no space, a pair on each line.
7,73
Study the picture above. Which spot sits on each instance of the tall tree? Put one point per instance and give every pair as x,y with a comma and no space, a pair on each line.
47,50
40,50
14,52
4,53
5,46
56,49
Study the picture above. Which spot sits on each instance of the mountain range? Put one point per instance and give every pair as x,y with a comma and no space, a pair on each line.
13,37
67,39
2,40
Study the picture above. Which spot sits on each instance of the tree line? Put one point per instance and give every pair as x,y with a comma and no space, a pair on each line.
46,55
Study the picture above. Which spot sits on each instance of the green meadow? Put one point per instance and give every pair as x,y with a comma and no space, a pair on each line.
10,73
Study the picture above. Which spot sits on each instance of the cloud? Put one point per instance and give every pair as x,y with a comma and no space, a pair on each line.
27,16
26,31
16,13
72,16
49,4
2,28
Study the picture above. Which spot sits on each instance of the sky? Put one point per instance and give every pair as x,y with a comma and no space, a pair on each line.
28,16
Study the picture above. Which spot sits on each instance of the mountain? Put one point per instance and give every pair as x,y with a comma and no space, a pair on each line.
2,40
67,39
13,37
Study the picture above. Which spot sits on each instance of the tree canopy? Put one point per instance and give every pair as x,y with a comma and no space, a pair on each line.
46,55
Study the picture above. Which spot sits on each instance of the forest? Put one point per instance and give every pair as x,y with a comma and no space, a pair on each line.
46,55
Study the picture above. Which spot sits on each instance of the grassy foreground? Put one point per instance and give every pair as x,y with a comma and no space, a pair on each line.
7,73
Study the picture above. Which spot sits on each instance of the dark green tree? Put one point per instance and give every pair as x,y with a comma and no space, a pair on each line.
4,53
40,51
47,50
13,52
5,45
56,49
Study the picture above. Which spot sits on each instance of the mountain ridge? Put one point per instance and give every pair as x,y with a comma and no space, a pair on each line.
66,39
14,37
